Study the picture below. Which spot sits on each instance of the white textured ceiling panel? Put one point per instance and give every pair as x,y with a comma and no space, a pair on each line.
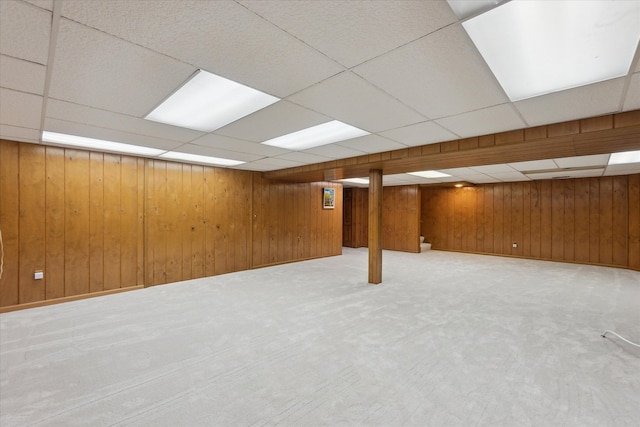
481,122
632,100
439,75
68,111
101,71
222,37
22,75
484,179
371,144
216,152
20,109
627,169
534,165
585,173
419,134
334,151
586,101
350,99
274,163
276,120
509,176
493,169
44,4
19,134
305,158
71,128
24,31
462,172
239,145
352,32
582,161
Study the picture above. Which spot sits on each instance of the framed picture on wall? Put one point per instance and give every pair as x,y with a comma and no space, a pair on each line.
329,198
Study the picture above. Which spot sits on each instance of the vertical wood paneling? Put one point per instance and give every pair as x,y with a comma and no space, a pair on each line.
187,219
198,222
210,223
55,223
569,221
96,222
590,220
32,227
129,226
634,221
606,220
582,213
173,226
620,250
111,213
76,253
10,189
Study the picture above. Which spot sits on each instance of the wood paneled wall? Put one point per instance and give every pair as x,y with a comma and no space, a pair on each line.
589,220
97,222
400,218
289,222
75,215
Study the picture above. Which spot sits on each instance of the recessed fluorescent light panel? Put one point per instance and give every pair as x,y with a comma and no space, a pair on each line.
466,8
430,174
624,158
98,144
207,102
326,133
355,180
196,158
539,47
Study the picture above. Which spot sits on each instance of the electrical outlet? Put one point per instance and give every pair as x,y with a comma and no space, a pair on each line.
38,275
515,245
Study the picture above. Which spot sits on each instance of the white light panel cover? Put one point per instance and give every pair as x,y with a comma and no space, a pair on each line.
98,144
430,174
466,8
625,157
355,180
540,47
197,158
207,102
326,133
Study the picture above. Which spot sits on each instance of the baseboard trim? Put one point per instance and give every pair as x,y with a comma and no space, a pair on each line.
66,299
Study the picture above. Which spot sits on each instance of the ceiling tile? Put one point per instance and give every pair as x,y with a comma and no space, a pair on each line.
24,31
420,134
628,169
305,158
278,119
68,111
462,172
255,166
334,151
14,133
241,146
582,161
491,169
567,174
44,4
499,118
20,109
586,101
276,163
439,75
371,144
509,176
483,179
222,37
632,100
101,71
534,165
22,75
71,128
216,152
350,99
360,30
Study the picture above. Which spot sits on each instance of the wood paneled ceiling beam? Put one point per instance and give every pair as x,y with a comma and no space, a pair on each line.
596,135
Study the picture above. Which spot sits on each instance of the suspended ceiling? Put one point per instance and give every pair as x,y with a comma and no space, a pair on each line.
406,71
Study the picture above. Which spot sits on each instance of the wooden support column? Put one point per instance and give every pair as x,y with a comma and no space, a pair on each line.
375,226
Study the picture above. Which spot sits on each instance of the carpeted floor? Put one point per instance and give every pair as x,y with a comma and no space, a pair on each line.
447,339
